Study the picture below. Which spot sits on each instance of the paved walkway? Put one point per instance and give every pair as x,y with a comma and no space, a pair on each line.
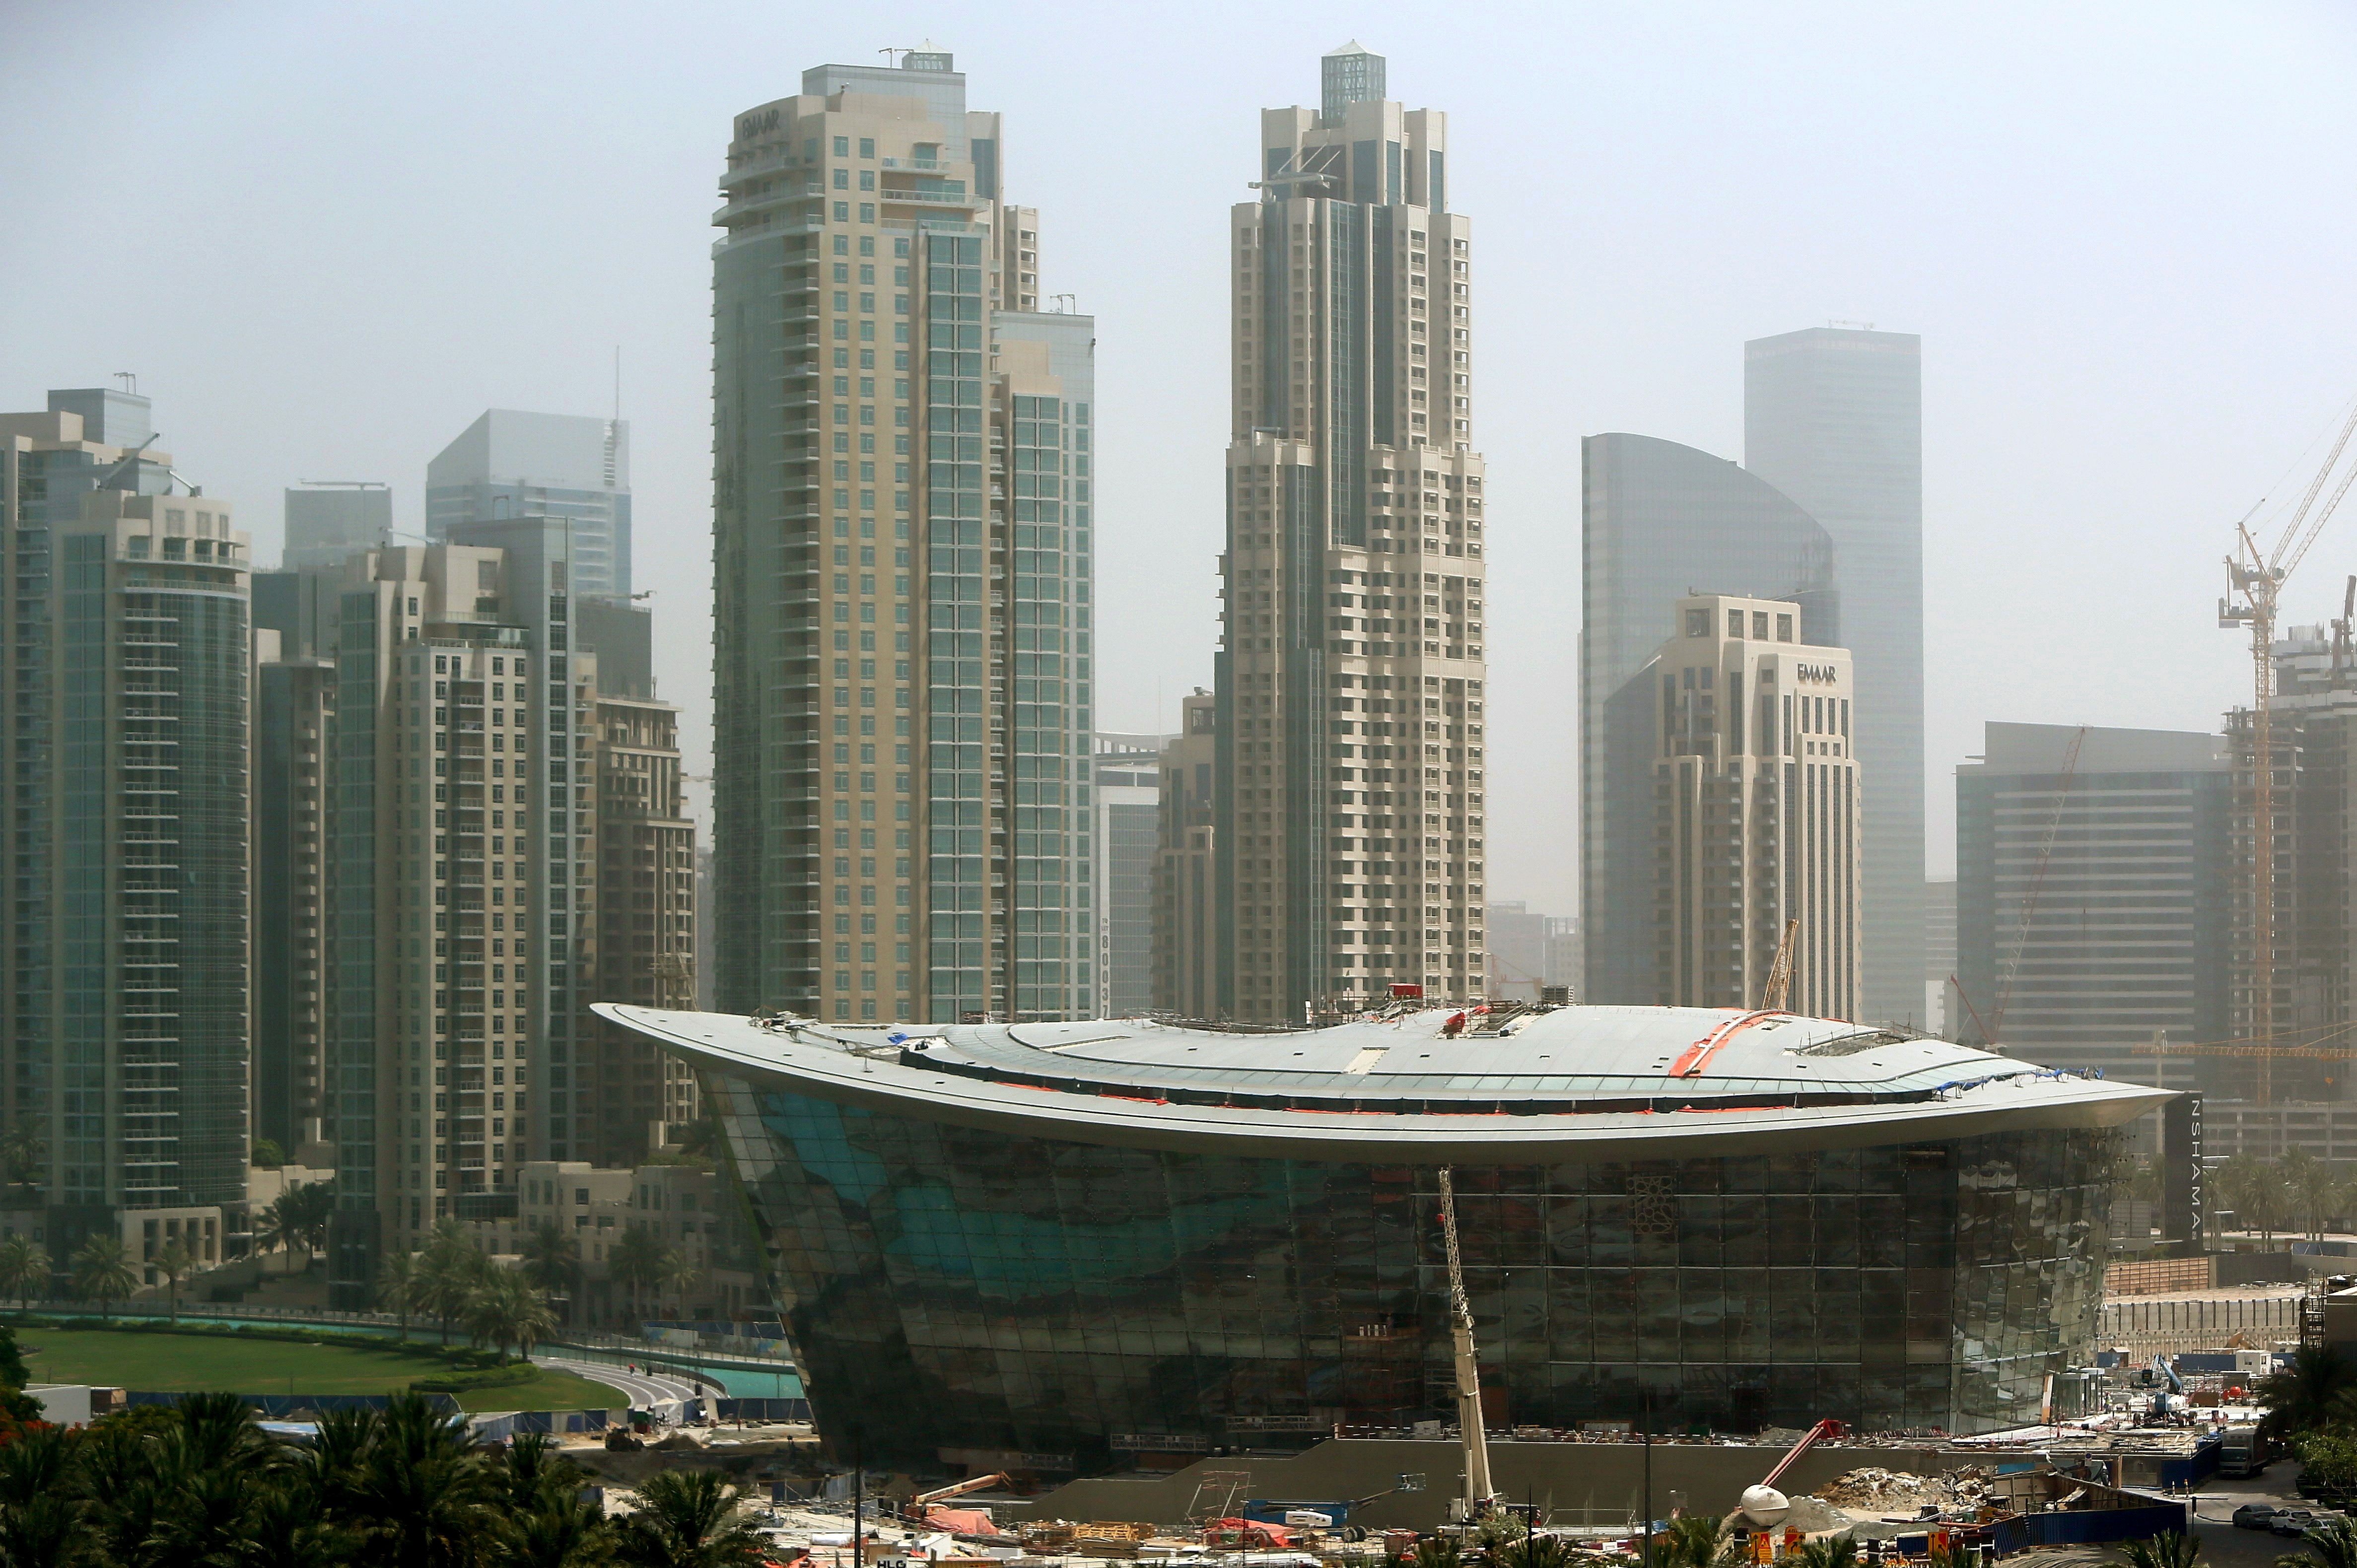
642,1389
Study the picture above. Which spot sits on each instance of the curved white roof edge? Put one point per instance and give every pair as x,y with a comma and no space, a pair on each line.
830,1063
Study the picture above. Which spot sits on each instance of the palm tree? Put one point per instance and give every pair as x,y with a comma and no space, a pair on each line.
679,1276
21,1147
24,1269
1835,1551
2332,1544
419,1492
2307,1390
684,1522
1695,1540
1437,1552
2309,1190
636,1262
505,1309
551,1260
2254,1189
448,1270
397,1288
2169,1550
103,1271
1536,1551
172,1261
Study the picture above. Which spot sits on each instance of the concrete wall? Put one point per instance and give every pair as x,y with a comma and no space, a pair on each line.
1607,1477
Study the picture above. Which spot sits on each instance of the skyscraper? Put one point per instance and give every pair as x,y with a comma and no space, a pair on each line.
1351,832
1661,520
327,521
1128,832
638,1097
1187,952
461,891
1834,418
902,448
2127,854
1756,818
123,989
571,468
294,715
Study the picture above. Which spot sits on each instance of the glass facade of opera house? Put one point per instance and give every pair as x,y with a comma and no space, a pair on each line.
953,1288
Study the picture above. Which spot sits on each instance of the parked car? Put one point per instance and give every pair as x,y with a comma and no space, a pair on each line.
2292,1521
2254,1516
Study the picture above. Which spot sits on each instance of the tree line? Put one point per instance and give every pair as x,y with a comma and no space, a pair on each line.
201,1485
2297,1193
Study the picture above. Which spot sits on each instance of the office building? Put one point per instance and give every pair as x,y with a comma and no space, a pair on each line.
638,1097
328,520
1940,1014
124,988
1755,811
1659,521
1187,952
1128,835
1517,937
1833,417
2092,896
571,469
902,556
1720,1220
1351,670
293,717
462,892
1533,954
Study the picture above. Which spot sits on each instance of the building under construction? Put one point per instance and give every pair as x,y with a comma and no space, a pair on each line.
2290,1040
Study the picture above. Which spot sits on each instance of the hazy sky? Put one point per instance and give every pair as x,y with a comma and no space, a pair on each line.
326,236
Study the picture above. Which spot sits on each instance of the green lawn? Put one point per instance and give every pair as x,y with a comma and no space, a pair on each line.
191,1362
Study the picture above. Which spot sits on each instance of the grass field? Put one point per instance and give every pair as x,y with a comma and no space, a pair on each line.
170,1363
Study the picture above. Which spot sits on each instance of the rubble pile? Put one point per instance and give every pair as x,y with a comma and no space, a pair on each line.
1873,1490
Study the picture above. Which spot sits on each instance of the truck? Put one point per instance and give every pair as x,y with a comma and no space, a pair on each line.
2244,1451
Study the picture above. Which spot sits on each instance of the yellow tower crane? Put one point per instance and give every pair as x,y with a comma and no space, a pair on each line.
2255,579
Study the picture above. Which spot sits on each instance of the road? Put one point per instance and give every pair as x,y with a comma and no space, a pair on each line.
2224,1546
642,1388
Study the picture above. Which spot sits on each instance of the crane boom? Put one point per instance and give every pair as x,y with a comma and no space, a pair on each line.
1479,1494
1780,973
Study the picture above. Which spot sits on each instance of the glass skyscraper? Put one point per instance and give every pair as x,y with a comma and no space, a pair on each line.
1834,418
1662,521
903,521
124,666
569,467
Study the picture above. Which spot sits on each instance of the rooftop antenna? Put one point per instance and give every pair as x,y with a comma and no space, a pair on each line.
130,381
1066,303
1852,326
896,49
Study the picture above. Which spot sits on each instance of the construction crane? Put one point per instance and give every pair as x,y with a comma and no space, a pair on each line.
2030,900
2255,579
1780,973
1479,1494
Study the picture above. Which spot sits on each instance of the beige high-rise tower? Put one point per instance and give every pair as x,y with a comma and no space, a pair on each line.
1758,817
1350,832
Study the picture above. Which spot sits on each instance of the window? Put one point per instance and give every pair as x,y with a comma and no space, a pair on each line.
1735,623
1760,625
1784,628
843,146
867,146
1697,623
